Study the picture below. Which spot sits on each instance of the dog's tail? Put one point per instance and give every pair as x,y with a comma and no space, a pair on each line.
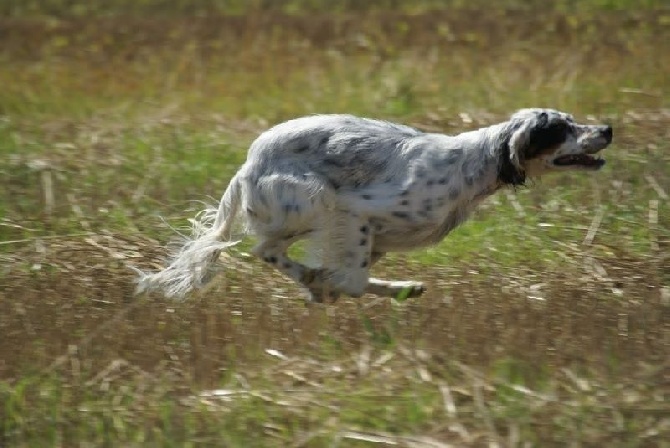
191,263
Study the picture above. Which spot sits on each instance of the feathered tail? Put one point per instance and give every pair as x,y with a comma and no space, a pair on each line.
191,264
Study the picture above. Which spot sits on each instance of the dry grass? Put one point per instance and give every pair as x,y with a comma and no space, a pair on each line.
554,330
492,354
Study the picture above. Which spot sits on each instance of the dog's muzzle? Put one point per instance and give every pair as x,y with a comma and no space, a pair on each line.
597,140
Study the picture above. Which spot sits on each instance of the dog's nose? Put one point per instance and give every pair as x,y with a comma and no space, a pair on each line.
607,133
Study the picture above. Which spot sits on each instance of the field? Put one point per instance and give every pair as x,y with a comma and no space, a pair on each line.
547,319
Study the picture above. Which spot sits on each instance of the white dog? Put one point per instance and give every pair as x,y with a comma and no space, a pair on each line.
359,188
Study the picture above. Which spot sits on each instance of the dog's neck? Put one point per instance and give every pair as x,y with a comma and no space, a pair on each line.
498,137
488,167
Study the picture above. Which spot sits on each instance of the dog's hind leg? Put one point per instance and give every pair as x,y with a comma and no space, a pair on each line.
345,245
273,252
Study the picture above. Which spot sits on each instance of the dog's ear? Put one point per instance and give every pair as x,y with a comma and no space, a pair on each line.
523,137
517,147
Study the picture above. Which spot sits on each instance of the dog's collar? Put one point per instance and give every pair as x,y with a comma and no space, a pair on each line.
508,173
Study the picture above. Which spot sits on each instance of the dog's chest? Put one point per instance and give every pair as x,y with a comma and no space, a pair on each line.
423,218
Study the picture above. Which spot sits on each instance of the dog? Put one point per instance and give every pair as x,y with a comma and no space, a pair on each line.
358,188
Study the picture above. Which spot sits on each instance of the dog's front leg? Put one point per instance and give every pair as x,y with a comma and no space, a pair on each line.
388,288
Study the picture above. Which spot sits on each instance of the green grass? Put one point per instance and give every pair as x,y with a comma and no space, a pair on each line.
546,318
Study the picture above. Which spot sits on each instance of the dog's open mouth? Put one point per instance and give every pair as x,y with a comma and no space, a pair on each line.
582,160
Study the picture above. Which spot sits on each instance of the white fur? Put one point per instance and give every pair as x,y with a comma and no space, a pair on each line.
358,188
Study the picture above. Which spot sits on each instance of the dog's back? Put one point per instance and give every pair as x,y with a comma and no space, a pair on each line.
345,151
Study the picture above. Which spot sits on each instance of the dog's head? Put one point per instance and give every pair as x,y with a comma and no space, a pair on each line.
545,140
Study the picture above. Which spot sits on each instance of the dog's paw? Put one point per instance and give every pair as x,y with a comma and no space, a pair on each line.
408,290
417,289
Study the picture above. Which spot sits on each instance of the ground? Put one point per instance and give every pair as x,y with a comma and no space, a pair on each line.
547,316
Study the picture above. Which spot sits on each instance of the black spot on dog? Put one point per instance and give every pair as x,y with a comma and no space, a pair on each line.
364,229
404,202
366,196
333,161
546,135
288,208
402,215
450,158
363,242
442,181
364,264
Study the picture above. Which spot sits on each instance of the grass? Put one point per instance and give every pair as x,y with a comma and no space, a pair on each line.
546,319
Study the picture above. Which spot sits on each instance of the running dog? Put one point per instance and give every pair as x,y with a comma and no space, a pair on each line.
358,188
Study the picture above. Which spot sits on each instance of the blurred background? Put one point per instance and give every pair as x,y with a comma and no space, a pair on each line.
547,320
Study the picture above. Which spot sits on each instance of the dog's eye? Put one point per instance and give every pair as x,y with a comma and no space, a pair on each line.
561,124
549,137
559,130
